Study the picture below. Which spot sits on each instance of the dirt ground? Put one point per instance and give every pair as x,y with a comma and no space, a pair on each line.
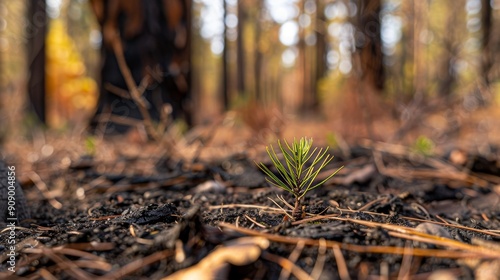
126,208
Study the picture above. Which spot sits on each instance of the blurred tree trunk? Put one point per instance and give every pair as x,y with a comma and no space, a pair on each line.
251,10
486,50
321,41
369,43
2,82
155,36
307,65
420,68
243,69
258,78
303,73
230,67
451,44
247,48
36,32
240,48
301,68
226,86
404,75
362,105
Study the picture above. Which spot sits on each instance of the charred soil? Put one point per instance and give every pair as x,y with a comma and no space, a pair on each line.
389,213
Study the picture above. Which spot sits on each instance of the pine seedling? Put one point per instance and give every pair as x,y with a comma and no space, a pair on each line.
295,175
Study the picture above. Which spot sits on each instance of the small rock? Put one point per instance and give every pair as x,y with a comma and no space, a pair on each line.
210,186
434,229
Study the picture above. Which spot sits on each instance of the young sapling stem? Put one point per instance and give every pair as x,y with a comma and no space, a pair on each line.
294,175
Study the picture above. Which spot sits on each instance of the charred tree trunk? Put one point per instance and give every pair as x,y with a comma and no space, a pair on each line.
155,36
404,85
447,74
226,88
321,40
36,32
369,43
258,53
368,75
308,100
240,48
420,68
486,25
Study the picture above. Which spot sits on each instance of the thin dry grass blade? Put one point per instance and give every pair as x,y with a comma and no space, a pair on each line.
294,256
341,264
288,265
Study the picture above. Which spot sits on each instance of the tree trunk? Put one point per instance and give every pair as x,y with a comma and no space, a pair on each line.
321,41
369,43
257,52
226,87
447,74
486,54
240,48
363,104
303,68
36,31
155,36
419,61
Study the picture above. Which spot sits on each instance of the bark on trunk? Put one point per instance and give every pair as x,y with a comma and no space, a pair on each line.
36,32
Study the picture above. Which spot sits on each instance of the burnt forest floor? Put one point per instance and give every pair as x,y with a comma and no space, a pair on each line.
391,212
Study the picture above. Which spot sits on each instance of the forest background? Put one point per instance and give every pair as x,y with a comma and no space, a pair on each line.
340,70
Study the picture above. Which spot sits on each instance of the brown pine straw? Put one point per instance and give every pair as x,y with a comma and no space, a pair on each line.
45,274
412,234
320,260
42,187
341,264
438,169
136,265
319,217
74,267
455,249
294,256
65,251
67,265
255,222
287,265
443,223
404,271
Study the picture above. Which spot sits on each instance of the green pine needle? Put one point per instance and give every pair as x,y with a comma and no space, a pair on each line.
293,175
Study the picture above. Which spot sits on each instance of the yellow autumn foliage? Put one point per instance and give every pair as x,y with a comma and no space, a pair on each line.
71,94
